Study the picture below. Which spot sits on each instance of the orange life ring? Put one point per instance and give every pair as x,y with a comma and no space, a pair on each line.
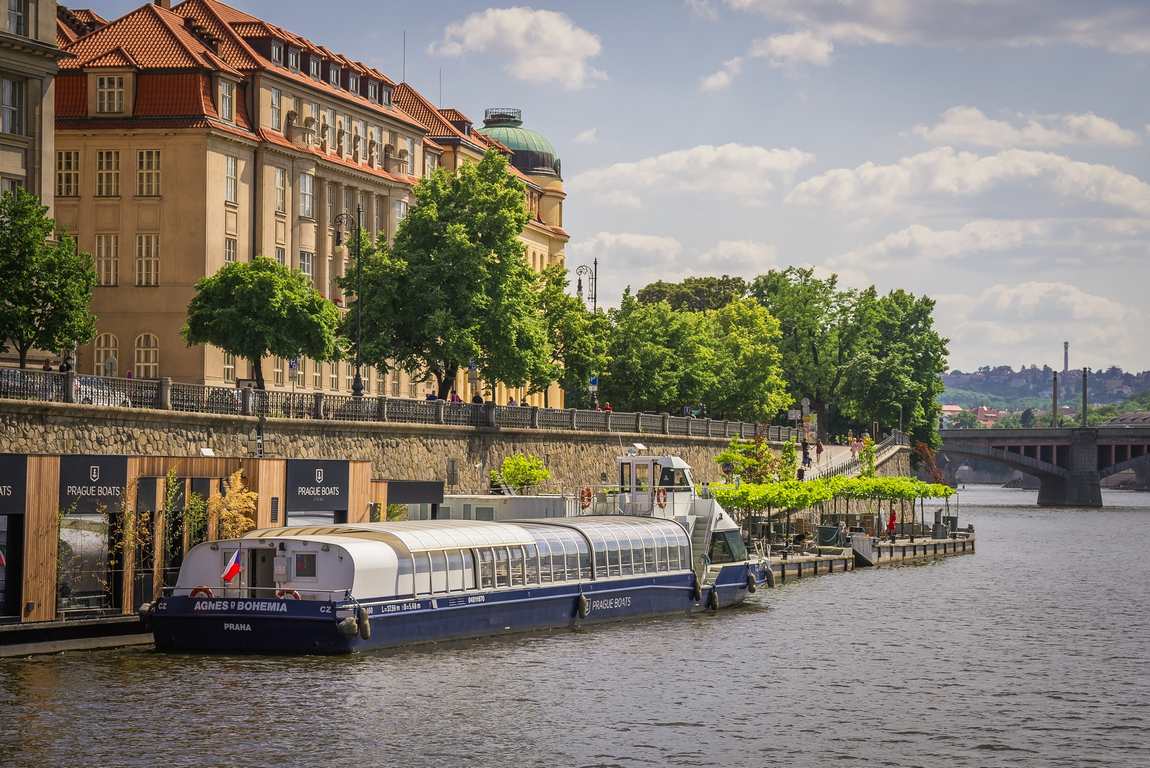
286,593
201,590
661,498
585,497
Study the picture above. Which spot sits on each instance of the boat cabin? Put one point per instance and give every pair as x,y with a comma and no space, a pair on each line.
654,485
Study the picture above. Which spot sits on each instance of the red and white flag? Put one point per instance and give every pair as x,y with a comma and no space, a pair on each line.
232,569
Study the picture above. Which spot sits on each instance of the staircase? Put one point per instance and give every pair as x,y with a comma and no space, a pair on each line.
702,515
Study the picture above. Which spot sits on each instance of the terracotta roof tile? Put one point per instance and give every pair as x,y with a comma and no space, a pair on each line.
454,115
64,34
413,103
112,59
71,95
275,138
232,48
153,37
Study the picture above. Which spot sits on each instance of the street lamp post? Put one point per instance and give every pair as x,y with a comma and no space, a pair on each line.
592,275
339,221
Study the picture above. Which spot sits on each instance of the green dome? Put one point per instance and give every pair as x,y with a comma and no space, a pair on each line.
532,153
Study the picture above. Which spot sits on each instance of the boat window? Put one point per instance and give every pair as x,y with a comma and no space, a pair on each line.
532,563
422,573
544,562
625,566
486,569
642,476
673,478
625,476
454,570
516,566
727,547
672,550
468,570
502,574
612,556
404,576
601,545
305,565
584,560
438,571
685,555
664,556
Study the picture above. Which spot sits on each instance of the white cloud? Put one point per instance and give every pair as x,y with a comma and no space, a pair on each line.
722,78
645,248
704,9
1107,24
746,258
744,172
1028,322
921,243
793,49
944,171
589,136
541,46
969,126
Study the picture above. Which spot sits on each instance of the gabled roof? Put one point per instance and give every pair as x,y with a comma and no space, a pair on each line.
231,46
72,24
454,115
64,34
118,58
150,36
438,126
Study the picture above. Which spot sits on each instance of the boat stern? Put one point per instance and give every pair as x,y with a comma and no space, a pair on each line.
251,625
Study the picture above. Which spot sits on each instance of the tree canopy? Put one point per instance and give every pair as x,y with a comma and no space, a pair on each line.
47,283
695,294
455,287
257,308
577,337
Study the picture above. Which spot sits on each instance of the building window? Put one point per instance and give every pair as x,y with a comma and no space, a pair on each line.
399,211
333,378
104,362
281,255
277,112
372,91
147,356
230,249
300,372
229,367
313,66
277,52
349,376
293,59
411,388
333,75
231,179
353,82
307,263
281,190
147,260
385,92
228,101
67,173
107,260
430,163
278,371
109,94
148,172
306,195
317,376
11,105
18,17
395,384
107,173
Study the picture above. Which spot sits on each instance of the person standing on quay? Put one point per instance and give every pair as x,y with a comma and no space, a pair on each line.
890,526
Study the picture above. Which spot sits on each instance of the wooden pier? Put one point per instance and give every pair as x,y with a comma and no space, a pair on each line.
869,552
906,551
804,566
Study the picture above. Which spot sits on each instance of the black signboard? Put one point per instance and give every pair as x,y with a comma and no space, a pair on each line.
13,479
414,492
316,485
88,483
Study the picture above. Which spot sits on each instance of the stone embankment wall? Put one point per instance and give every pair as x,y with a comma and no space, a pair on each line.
397,451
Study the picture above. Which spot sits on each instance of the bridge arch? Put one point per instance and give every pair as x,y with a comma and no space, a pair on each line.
1138,462
1031,466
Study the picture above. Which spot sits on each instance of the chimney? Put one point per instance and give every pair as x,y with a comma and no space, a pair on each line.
166,4
1054,402
1066,357
1085,376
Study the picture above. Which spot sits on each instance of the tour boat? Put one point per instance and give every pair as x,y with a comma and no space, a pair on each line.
338,588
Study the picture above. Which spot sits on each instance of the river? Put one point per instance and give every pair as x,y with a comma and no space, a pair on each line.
1033,652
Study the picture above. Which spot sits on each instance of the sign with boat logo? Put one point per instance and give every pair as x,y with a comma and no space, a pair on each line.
316,485
88,483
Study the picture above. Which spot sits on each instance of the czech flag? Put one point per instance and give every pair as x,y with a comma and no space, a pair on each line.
232,569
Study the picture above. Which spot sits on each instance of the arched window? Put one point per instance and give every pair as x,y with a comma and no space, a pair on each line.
147,356
106,360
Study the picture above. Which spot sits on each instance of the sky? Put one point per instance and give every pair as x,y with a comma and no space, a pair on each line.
990,154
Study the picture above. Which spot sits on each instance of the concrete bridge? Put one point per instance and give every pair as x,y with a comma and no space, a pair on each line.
1069,463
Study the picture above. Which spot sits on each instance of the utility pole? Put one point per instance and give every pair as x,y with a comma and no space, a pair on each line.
1085,376
1054,402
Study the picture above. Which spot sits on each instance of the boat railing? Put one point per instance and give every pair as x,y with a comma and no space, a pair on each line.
260,593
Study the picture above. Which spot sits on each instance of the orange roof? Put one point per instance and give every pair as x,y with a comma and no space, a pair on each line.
64,34
454,115
231,47
413,103
152,37
275,138
119,58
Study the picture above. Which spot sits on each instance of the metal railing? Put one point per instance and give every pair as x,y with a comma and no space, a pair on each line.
165,394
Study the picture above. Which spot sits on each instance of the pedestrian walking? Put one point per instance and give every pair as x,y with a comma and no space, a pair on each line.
806,454
511,402
47,364
890,526
819,451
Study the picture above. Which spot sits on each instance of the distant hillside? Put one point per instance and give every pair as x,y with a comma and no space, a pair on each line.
1004,387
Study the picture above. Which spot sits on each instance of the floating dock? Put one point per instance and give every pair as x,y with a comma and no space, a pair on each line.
906,551
804,566
866,552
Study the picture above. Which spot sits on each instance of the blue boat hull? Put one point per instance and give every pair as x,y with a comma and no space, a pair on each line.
288,626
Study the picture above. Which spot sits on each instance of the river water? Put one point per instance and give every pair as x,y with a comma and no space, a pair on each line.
1033,652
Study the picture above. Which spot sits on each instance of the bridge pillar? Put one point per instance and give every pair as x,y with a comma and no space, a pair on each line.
1083,488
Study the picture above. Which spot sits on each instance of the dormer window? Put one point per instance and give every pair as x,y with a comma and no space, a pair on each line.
333,74
228,100
385,95
109,94
313,66
353,82
277,52
293,59
372,91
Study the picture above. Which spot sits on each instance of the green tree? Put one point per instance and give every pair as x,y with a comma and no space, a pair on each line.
695,294
750,386
521,471
751,460
658,359
47,283
823,330
455,286
1028,419
259,308
966,420
577,337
